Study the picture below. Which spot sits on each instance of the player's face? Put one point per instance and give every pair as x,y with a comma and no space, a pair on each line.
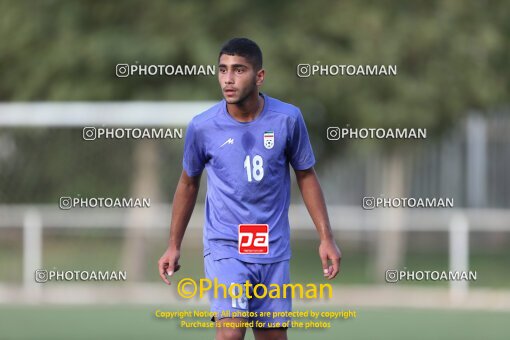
238,79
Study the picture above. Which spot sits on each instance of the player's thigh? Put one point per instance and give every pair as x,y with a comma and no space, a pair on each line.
273,311
227,302
270,333
230,329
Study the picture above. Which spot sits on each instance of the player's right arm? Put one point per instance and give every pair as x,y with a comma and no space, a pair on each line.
182,208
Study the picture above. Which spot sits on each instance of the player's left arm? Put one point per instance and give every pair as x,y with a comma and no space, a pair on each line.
316,205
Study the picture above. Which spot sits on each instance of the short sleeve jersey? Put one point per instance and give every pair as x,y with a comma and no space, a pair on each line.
248,177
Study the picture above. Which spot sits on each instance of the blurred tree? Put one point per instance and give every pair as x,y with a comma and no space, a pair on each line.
451,56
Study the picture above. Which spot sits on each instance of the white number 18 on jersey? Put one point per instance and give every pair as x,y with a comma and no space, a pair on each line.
254,168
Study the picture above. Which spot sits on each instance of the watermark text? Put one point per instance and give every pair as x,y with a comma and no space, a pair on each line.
310,70
42,276
126,70
67,202
336,133
93,133
393,275
370,203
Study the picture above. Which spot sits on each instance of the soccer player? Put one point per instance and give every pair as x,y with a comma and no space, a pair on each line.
246,142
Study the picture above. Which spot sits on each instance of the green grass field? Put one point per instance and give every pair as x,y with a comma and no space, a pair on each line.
139,322
97,250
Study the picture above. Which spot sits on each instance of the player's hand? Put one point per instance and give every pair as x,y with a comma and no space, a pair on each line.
169,263
329,251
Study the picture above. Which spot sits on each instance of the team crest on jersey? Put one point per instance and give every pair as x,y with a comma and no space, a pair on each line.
269,139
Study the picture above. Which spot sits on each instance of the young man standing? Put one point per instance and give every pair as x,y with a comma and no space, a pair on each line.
246,142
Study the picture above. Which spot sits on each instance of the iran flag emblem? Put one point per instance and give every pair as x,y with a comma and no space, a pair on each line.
269,139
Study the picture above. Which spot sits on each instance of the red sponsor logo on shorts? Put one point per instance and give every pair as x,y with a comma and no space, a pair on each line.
253,239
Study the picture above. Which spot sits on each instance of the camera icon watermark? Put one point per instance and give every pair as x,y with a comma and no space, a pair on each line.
122,70
41,276
368,203
333,133
304,70
89,133
65,203
391,276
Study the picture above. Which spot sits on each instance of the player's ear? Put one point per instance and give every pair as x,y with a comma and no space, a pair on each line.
260,77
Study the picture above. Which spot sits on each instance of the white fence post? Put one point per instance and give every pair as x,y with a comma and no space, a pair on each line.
476,167
32,254
459,255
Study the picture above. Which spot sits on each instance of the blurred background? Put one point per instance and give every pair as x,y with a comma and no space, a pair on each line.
57,62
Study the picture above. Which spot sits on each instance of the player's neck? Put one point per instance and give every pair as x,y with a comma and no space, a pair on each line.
248,110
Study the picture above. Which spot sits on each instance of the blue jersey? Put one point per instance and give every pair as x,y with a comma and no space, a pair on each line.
248,180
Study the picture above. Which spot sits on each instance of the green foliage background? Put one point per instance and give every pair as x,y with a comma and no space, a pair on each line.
452,57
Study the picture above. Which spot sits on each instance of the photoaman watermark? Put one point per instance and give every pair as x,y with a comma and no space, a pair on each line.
188,288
